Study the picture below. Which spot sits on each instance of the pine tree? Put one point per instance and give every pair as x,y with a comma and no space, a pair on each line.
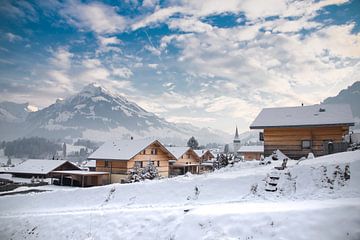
193,143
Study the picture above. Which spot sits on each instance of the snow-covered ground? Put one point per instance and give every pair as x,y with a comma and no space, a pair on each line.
311,203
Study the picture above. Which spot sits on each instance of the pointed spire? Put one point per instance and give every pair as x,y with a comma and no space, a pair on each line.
236,133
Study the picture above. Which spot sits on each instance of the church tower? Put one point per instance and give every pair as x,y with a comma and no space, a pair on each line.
236,141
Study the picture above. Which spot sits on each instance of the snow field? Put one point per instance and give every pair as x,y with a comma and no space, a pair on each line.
307,205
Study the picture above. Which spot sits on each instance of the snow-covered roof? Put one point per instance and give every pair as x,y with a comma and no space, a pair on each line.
258,148
201,152
122,149
178,151
90,163
314,115
38,166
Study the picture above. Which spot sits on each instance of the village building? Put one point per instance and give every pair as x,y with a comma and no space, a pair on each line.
236,142
297,131
204,154
251,152
118,157
40,168
185,160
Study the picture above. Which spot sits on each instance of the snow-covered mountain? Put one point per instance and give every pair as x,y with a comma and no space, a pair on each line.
98,114
14,112
351,96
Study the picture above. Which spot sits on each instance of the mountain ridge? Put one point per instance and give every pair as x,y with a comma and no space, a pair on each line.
96,112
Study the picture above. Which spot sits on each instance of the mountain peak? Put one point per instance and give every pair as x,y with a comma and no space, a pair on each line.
93,89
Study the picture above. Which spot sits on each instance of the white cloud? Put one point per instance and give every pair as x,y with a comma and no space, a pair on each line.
98,17
150,3
153,50
91,62
153,65
61,58
12,37
122,72
159,15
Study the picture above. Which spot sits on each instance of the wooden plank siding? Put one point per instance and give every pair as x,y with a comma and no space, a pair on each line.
289,140
120,168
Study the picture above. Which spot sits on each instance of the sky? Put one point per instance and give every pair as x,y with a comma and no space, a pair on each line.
210,63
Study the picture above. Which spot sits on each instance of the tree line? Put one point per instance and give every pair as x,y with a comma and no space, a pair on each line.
33,147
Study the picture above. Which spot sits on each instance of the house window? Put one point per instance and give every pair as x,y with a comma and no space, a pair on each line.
306,144
158,163
106,163
154,151
188,156
143,152
139,164
261,136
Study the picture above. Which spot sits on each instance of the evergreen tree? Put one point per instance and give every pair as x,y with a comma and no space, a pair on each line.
193,143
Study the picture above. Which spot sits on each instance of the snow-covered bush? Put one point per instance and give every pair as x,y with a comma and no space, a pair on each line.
137,174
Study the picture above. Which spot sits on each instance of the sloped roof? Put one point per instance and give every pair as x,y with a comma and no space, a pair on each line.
39,166
314,115
178,151
122,149
201,152
258,148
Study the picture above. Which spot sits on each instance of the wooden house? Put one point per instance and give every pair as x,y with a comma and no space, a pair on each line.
120,156
204,154
185,160
251,152
296,131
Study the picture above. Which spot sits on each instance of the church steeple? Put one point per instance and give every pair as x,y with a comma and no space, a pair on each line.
236,134
237,141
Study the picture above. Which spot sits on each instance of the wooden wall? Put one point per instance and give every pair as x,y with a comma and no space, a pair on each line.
288,140
251,155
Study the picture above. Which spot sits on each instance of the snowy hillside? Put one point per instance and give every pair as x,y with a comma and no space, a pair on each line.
96,113
313,201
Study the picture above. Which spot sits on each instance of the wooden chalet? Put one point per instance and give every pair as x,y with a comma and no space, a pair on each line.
120,156
204,154
186,160
297,131
251,152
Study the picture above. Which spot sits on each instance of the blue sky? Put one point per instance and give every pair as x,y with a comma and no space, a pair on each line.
209,63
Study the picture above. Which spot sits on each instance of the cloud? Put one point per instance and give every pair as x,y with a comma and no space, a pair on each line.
97,17
12,37
61,58
153,65
153,50
150,3
122,72
160,15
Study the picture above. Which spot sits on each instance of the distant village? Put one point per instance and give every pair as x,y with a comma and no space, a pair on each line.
288,133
